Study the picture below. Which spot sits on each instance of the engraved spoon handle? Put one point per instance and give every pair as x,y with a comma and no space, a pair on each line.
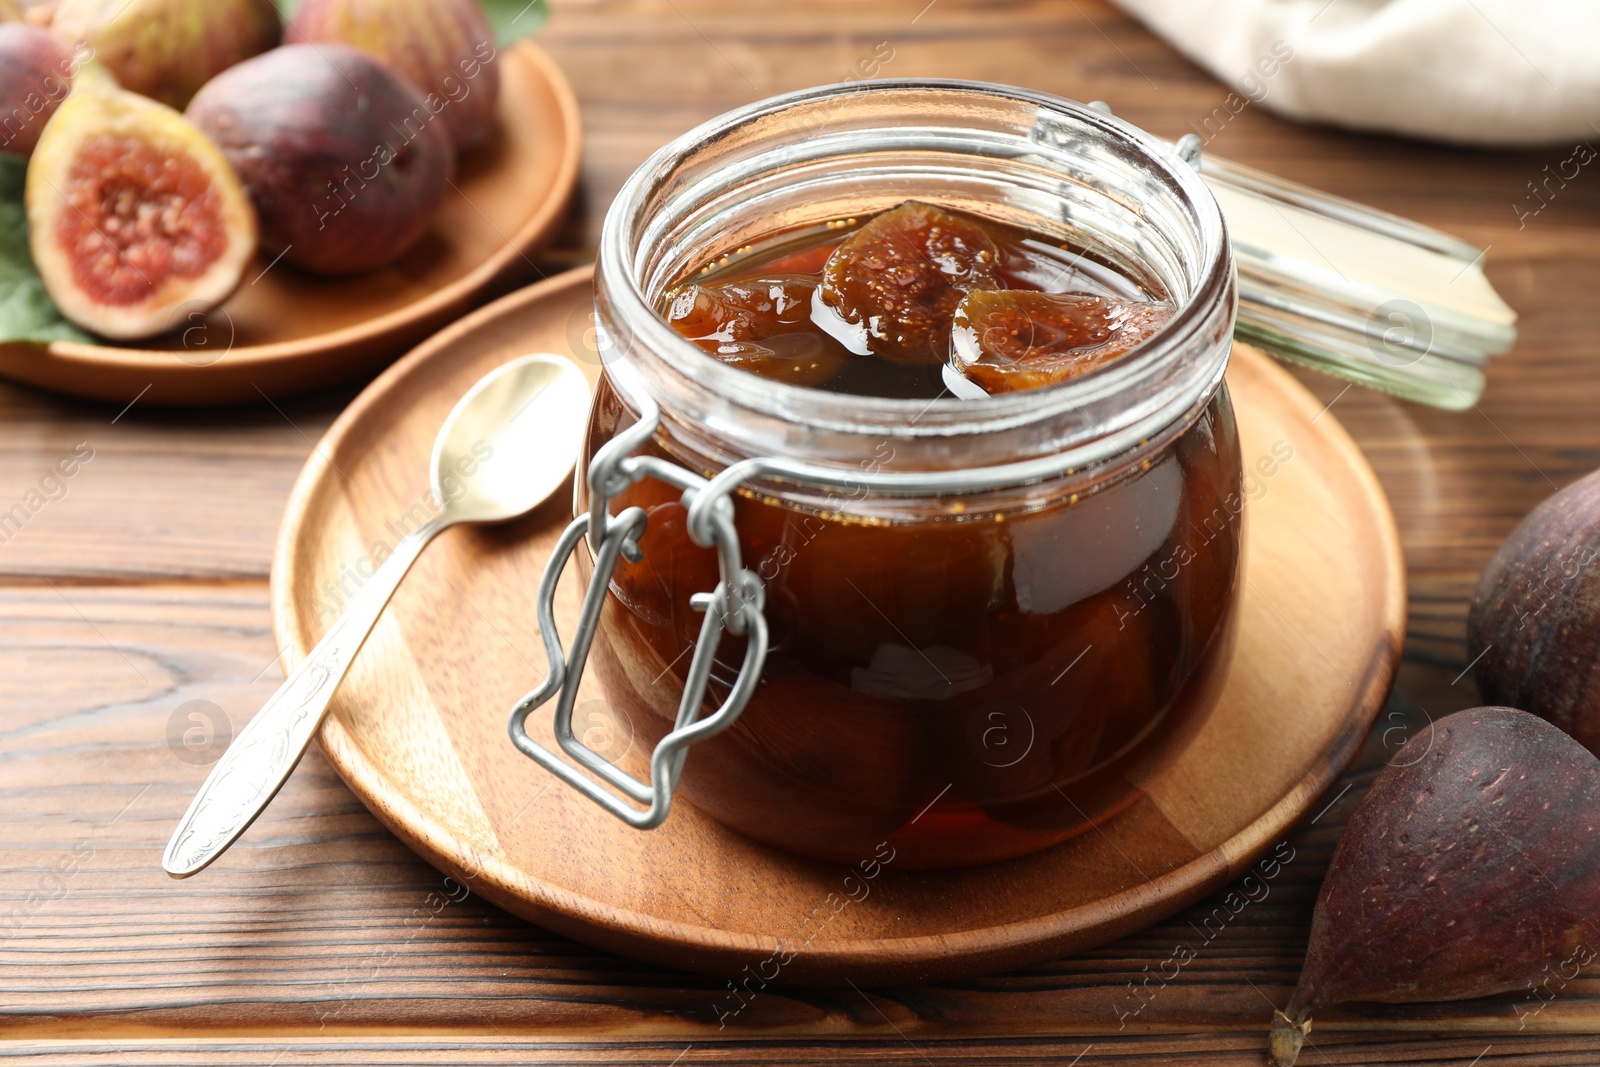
260,759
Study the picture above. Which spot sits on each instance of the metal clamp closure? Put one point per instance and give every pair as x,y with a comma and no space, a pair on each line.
735,605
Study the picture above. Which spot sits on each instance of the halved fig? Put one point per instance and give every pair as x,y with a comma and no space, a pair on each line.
1020,339
897,280
760,325
133,214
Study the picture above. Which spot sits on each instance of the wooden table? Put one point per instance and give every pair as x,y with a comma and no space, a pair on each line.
142,591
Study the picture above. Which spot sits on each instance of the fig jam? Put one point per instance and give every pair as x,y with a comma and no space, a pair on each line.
890,306
974,683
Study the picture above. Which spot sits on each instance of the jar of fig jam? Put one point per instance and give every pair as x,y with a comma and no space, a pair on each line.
888,583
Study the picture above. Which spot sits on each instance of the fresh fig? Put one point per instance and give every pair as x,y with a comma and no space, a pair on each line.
167,49
1470,869
133,214
1534,624
445,48
36,69
341,156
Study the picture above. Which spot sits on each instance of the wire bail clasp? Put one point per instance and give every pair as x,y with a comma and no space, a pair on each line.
735,605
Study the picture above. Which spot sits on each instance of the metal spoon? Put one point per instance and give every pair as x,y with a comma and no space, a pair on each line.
531,414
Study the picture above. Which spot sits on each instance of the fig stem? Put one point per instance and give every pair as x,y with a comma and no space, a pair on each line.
1286,1037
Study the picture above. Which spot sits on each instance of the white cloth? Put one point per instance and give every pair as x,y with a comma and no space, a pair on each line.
1499,72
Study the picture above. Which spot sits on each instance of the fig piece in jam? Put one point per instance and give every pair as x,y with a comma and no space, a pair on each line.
896,281
1020,339
891,306
760,325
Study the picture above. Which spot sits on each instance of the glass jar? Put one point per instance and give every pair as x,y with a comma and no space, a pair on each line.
986,621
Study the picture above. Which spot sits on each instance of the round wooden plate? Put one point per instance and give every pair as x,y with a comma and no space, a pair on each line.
419,728
286,331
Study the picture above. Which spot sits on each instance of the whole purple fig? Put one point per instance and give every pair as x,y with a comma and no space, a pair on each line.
443,47
1535,619
36,69
1470,869
167,49
344,162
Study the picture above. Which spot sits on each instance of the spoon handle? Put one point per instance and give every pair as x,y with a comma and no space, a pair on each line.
260,759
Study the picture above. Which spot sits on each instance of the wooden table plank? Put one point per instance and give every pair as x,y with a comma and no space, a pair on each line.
1209,1050
1202,1051
264,941
162,494
142,590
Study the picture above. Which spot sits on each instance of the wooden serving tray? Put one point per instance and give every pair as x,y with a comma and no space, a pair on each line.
419,728
287,331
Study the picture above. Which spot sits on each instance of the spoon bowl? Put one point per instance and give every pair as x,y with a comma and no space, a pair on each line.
511,441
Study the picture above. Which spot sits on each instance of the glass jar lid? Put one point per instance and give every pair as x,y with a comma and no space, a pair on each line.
1357,292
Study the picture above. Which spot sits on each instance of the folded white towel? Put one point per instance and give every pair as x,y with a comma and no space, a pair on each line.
1499,72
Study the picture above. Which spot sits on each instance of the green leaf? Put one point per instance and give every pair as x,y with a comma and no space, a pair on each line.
512,19
26,311
515,19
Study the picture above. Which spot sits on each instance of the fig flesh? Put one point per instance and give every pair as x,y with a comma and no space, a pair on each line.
759,325
168,49
1020,339
133,215
1468,870
1535,618
444,48
897,280
344,162
36,69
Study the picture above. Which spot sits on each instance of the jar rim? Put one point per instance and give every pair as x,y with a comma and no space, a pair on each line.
1190,366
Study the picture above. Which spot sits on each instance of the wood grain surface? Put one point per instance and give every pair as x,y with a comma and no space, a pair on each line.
140,589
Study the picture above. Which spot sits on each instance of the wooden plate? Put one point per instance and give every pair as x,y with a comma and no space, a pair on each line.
419,728
286,331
